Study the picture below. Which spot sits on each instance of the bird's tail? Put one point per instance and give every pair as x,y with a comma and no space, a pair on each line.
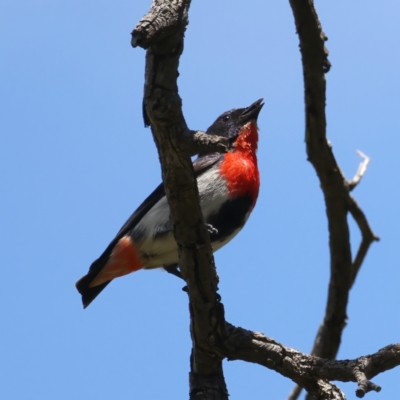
84,287
120,258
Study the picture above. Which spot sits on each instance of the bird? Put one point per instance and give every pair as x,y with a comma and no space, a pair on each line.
228,185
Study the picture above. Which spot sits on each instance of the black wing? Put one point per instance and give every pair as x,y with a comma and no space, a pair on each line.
83,285
200,165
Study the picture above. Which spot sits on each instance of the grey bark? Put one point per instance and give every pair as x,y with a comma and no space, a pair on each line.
161,32
335,187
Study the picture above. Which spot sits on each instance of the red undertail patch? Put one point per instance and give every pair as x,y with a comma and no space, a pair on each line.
124,259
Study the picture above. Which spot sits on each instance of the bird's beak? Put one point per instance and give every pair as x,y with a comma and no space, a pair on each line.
251,113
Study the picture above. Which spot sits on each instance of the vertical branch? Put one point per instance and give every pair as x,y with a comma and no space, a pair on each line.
161,32
315,64
334,186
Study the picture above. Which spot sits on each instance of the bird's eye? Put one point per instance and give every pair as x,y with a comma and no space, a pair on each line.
226,118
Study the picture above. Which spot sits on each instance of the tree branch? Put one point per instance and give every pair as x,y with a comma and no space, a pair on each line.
333,183
164,19
367,237
200,142
310,372
315,63
161,32
362,168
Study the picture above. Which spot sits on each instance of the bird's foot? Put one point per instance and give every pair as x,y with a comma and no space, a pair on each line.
211,229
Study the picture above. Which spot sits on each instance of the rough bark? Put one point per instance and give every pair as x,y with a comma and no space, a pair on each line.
335,187
161,32
310,372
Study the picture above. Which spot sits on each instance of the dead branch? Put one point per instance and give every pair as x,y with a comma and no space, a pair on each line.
161,32
367,236
333,183
362,169
310,372
201,142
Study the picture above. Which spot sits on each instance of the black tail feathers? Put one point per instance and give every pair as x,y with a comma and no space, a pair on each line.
89,293
83,285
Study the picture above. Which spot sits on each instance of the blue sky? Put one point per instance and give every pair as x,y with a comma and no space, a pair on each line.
76,161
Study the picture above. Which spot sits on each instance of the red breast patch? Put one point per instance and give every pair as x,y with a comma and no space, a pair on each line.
239,167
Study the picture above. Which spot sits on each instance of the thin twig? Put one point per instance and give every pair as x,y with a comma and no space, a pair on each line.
313,373
295,393
362,168
368,237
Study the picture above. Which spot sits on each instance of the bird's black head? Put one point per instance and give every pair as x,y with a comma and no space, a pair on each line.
230,122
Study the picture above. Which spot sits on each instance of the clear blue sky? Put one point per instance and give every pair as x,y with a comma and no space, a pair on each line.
76,161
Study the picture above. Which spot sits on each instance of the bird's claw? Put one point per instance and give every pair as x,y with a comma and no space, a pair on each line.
211,229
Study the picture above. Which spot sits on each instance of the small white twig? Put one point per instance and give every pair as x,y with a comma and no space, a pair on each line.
362,168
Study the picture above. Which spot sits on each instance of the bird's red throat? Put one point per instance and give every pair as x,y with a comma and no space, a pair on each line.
239,167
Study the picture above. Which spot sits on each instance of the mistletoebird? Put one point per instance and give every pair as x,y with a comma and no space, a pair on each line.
228,187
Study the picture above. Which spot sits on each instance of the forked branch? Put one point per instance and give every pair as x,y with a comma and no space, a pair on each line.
310,372
335,187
